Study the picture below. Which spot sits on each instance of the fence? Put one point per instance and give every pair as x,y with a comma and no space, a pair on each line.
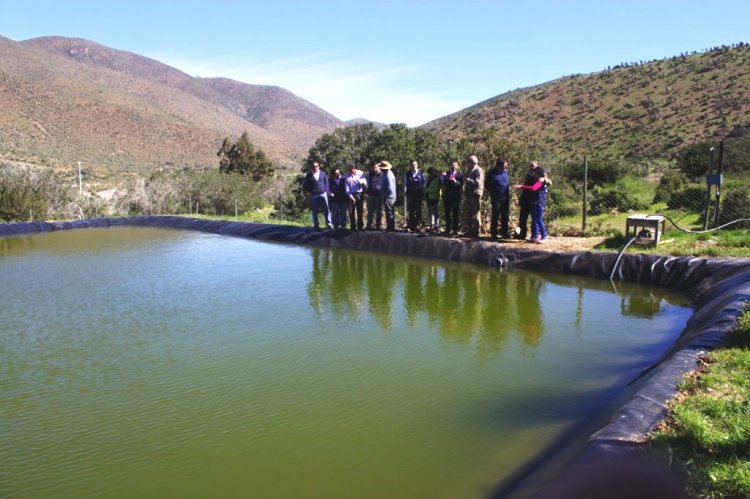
692,205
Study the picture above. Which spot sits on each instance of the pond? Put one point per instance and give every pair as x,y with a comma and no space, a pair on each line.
149,362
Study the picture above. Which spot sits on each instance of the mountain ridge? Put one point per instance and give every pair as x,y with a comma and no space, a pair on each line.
72,99
633,110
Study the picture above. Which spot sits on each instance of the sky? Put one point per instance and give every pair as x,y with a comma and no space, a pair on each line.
409,61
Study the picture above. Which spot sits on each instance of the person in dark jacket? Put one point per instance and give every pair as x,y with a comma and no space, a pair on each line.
529,198
414,183
340,200
498,185
388,195
453,181
316,186
374,200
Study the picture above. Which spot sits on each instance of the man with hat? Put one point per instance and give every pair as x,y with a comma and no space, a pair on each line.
355,187
388,195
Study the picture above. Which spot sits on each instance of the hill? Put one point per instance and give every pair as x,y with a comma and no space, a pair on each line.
66,100
635,111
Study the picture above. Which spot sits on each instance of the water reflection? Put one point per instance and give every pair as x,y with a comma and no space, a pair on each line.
463,304
16,245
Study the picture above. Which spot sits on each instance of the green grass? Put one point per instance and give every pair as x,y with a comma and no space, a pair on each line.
733,243
265,215
707,432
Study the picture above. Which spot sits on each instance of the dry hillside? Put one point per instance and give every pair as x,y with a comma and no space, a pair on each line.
639,110
65,100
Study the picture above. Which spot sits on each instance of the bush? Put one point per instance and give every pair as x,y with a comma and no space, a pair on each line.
668,184
208,192
690,199
736,205
626,195
28,193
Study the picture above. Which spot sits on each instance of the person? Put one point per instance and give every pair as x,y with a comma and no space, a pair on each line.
473,189
340,200
498,185
432,197
453,181
527,201
374,201
414,183
538,195
539,230
388,195
355,186
316,186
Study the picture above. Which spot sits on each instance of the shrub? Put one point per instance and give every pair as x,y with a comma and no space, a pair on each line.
626,195
736,205
31,193
668,184
690,198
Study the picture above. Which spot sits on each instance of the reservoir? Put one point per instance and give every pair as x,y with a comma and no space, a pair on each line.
148,362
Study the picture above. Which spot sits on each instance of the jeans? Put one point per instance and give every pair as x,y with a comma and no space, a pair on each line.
452,207
319,202
339,209
374,209
473,216
523,219
414,212
538,230
356,208
433,214
390,213
500,209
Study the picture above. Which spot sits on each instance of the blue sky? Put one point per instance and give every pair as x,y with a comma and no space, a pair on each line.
407,61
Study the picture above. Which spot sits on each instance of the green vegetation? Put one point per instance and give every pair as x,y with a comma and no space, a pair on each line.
707,432
242,157
733,243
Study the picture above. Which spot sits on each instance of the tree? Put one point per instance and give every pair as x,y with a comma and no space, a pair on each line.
343,146
242,157
694,159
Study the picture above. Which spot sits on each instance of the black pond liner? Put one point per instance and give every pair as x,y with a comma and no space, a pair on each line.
718,288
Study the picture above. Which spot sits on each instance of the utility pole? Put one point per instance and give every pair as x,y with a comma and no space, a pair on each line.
708,189
720,168
80,181
585,192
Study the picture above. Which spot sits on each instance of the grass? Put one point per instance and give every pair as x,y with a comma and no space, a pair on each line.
707,432
265,215
722,243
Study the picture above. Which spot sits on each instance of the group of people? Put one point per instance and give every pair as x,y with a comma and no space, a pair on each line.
343,196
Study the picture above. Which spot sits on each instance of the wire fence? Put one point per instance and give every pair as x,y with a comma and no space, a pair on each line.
576,210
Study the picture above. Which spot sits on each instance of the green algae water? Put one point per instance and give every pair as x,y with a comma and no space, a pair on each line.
138,362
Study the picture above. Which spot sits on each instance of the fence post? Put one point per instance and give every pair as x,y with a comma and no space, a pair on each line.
719,168
585,192
235,208
708,189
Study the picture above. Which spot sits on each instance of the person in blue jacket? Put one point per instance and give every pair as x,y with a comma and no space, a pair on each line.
498,185
388,195
414,183
340,200
316,186
453,181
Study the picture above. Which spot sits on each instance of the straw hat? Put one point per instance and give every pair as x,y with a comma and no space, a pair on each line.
384,165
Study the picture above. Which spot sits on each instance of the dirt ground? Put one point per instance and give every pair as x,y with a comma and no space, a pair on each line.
555,243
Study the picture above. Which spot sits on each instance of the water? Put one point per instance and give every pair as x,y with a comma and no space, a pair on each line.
149,363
